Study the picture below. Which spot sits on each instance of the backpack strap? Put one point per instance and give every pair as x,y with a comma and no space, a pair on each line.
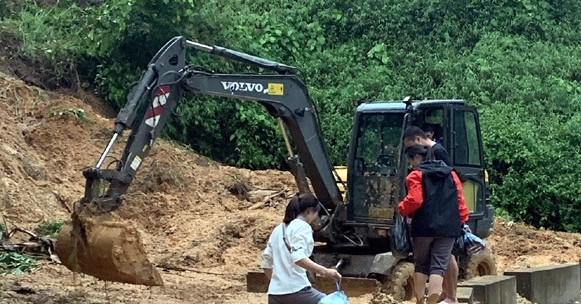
431,155
284,238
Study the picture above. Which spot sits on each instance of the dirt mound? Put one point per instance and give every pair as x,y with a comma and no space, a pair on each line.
191,211
204,224
43,147
520,246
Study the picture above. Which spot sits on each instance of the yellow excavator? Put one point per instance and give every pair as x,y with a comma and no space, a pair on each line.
355,221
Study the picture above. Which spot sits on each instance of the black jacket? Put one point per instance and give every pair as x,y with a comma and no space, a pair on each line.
439,215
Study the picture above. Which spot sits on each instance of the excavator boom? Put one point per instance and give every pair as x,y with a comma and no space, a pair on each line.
97,242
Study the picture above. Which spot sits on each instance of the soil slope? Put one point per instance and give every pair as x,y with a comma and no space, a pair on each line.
204,224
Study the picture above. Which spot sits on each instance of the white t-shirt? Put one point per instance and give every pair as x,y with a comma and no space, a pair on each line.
288,277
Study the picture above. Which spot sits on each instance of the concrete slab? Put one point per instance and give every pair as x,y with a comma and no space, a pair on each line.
492,289
554,284
465,295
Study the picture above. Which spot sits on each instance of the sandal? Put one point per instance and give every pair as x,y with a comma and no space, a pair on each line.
433,298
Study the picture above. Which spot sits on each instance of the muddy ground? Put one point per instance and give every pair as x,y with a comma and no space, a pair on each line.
204,224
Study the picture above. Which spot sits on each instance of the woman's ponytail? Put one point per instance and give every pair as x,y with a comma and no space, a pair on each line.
292,209
298,204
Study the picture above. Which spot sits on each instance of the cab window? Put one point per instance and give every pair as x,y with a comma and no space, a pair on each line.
378,141
466,146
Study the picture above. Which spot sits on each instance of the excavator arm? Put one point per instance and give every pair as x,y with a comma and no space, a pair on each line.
160,89
85,247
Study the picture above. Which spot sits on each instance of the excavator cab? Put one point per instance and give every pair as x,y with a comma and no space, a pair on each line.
376,172
377,166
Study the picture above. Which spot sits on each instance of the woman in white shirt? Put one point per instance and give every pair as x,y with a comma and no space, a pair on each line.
286,257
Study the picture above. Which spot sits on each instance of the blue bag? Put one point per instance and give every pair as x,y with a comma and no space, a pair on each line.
337,297
474,245
469,244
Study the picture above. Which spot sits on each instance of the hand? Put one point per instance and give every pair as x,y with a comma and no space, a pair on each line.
332,273
466,228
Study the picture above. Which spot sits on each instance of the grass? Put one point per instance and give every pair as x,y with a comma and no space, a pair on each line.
50,228
503,214
78,114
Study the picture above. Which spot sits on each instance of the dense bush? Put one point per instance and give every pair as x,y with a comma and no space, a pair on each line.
516,60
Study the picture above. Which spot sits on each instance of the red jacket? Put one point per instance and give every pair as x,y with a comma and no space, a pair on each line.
415,196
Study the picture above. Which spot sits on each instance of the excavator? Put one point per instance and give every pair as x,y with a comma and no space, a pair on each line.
358,200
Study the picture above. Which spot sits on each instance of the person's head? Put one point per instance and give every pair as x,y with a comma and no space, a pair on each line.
430,130
413,135
305,205
416,154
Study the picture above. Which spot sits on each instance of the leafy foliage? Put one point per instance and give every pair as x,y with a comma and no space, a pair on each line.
50,228
78,114
16,263
516,60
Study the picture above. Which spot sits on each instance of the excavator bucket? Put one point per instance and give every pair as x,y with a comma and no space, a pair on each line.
107,248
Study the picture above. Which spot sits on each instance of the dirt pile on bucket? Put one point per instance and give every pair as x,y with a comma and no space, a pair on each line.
107,248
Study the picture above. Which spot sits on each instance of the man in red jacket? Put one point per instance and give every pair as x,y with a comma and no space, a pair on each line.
414,135
438,210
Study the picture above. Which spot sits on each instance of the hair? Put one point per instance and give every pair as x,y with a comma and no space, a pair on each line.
433,127
411,132
428,127
298,204
414,150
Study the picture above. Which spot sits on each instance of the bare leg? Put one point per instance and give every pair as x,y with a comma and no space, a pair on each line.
445,285
450,283
435,284
434,288
420,286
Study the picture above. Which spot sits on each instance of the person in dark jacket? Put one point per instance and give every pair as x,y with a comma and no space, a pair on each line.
415,136
438,210
431,131
412,136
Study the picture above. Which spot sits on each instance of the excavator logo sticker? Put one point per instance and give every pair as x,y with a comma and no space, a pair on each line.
161,95
234,86
275,89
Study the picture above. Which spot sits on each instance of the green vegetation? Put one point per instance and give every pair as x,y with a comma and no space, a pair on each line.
516,60
16,263
78,114
50,228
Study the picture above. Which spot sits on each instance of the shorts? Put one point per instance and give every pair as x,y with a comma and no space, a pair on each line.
432,254
307,295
